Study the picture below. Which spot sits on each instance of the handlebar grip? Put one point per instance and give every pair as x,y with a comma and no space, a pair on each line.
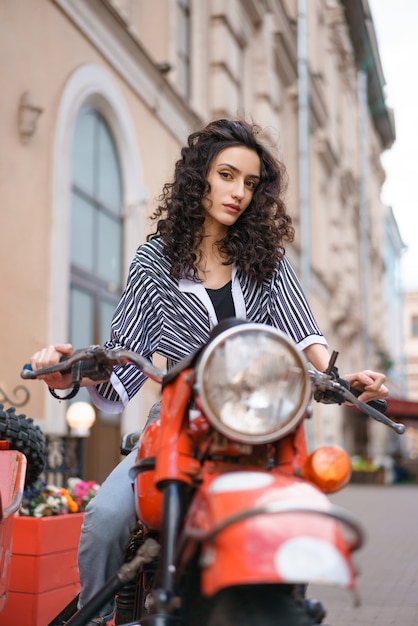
26,371
379,405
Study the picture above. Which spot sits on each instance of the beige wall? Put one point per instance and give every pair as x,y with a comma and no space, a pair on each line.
52,50
243,62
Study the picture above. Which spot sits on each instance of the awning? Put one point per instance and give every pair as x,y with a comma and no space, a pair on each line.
402,410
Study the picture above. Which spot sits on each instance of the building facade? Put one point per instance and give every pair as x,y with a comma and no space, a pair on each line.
411,343
98,97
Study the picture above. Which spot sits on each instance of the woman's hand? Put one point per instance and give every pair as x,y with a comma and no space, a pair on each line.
370,383
50,356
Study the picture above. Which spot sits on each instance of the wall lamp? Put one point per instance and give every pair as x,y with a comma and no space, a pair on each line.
28,115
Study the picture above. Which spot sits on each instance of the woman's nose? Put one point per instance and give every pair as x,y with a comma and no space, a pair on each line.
239,189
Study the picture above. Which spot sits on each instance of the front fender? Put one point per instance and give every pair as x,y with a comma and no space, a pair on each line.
12,481
265,527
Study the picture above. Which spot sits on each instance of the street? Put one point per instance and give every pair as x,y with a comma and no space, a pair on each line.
387,563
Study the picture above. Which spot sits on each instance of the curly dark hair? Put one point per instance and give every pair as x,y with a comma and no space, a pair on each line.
255,242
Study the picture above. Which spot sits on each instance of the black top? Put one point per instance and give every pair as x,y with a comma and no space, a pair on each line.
222,301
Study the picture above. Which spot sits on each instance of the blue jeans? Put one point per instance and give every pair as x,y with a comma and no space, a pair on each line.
108,521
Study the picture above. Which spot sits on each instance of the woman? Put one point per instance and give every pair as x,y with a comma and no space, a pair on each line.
217,252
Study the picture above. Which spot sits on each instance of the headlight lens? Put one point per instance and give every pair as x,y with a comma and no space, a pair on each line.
253,383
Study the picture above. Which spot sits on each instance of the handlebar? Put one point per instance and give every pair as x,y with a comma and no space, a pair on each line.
96,363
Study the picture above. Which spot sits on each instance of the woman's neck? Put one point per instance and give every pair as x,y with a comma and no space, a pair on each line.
211,269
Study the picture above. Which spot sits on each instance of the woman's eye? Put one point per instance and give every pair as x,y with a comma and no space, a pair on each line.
225,174
251,184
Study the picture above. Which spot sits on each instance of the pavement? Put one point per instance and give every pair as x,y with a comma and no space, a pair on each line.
387,562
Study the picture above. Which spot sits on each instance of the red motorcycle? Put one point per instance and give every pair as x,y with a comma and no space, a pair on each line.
234,520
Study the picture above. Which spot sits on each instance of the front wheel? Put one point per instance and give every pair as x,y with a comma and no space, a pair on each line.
258,605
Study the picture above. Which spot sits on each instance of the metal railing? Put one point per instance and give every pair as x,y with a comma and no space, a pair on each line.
64,459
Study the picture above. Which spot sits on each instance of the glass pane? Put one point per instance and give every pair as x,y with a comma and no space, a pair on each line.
81,318
81,327
96,231
82,233
82,157
108,183
109,249
107,310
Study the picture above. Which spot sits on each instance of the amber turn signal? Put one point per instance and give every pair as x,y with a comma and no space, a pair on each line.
329,467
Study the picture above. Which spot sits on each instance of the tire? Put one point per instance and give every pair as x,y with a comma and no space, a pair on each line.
258,605
23,435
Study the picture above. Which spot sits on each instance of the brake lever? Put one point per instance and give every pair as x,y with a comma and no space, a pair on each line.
323,383
331,381
366,407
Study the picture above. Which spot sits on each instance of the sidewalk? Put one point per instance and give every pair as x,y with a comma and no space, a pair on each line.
387,563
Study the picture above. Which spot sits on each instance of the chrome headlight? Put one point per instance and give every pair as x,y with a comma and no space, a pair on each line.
253,383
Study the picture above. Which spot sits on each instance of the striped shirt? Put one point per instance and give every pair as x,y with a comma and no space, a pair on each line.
160,315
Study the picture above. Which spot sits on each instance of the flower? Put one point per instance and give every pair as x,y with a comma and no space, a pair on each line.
42,500
82,492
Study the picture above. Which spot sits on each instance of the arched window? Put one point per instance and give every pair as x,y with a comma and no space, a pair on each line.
95,230
98,201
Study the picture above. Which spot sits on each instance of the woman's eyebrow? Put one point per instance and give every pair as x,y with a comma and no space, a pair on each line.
235,169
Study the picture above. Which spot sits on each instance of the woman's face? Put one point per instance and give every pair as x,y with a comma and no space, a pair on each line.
233,178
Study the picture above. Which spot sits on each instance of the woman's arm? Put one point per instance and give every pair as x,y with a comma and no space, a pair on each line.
318,355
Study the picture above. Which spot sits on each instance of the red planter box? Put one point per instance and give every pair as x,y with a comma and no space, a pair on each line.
44,575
